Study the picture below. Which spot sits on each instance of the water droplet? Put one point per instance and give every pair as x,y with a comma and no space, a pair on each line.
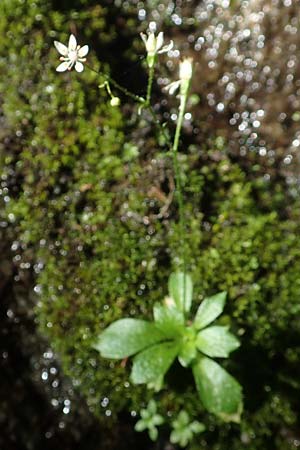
44,375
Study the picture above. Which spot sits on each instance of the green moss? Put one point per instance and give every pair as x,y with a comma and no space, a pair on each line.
100,224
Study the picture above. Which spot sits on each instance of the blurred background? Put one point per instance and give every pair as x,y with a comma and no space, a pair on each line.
88,232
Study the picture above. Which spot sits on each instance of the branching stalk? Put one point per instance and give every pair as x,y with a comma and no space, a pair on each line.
184,87
117,85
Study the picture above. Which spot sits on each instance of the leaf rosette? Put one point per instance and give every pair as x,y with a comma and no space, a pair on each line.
155,346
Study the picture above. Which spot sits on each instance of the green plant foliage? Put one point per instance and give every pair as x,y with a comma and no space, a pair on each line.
152,364
209,310
127,337
219,392
184,430
181,290
150,420
216,342
168,319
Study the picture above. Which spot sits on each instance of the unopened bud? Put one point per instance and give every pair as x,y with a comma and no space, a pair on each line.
186,69
151,44
115,101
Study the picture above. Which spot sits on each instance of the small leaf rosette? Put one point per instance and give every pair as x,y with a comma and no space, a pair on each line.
155,345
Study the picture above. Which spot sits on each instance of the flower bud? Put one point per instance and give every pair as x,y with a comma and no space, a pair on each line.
115,101
186,69
151,44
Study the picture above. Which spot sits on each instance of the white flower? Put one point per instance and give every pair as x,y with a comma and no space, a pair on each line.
186,69
185,75
154,45
73,55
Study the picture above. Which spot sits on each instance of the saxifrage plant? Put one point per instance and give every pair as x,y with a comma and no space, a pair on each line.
183,429
150,420
155,345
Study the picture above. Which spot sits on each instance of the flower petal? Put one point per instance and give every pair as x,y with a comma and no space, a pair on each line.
63,66
79,66
61,48
166,48
159,40
83,51
172,87
151,44
144,38
72,43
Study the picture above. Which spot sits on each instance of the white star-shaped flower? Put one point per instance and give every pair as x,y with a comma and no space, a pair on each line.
73,55
154,45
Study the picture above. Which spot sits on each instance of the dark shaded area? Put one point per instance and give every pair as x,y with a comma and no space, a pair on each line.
31,411
27,419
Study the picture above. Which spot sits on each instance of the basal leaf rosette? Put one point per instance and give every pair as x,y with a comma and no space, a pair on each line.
155,346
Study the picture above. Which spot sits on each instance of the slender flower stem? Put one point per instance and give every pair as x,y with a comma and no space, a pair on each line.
148,102
124,90
159,126
173,147
117,85
141,100
150,84
178,184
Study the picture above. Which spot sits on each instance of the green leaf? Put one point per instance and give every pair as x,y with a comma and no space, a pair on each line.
157,419
187,353
219,392
216,341
197,427
181,290
176,437
126,337
153,433
141,425
153,363
188,349
151,408
209,310
183,419
157,384
169,320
